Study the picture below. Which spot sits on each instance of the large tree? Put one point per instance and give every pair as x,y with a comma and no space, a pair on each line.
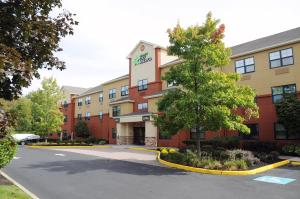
288,112
206,98
30,33
47,118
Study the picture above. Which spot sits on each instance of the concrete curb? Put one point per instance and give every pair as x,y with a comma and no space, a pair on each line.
216,172
19,185
51,147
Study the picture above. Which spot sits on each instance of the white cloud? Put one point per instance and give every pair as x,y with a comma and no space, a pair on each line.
109,29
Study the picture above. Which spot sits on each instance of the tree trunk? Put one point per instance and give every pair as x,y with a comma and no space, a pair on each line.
198,141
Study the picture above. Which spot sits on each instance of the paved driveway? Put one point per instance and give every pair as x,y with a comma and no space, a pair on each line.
117,154
52,174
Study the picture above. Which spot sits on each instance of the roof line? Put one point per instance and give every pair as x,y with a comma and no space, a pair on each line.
265,48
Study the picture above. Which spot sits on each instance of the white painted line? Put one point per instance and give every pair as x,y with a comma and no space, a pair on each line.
60,154
16,158
19,185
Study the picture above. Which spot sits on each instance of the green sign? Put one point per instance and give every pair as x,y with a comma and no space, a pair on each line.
143,58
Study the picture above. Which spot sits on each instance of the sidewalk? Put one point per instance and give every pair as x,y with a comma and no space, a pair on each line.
291,158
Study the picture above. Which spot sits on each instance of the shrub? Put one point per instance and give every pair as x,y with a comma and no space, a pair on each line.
268,157
232,142
102,142
246,156
259,146
7,150
82,129
291,149
235,165
172,150
176,157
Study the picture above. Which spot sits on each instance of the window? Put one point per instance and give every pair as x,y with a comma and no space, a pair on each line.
100,115
79,103
88,100
282,134
65,103
79,116
87,116
101,97
254,132
172,84
142,85
281,58
124,90
116,111
245,65
112,93
114,133
142,106
65,118
194,136
279,91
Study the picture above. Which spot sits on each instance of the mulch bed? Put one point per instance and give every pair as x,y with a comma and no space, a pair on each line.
4,181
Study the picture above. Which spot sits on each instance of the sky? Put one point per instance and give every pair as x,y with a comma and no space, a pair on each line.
109,29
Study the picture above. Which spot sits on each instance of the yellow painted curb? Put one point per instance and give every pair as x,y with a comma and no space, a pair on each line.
49,147
295,163
217,172
222,172
142,149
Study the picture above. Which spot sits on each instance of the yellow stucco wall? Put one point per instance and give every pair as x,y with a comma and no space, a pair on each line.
264,78
125,108
152,107
106,87
94,108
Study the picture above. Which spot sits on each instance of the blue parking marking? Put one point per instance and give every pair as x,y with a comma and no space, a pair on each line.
273,179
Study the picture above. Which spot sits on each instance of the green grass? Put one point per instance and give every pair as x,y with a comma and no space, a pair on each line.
12,192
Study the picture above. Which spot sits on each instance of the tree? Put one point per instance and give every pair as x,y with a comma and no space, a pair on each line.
47,118
7,144
81,129
288,112
30,33
21,109
206,98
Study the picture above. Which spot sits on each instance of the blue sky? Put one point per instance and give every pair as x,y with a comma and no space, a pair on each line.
109,29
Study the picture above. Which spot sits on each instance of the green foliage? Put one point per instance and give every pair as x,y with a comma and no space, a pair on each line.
232,142
288,112
13,192
30,33
270,157
93,140
214,159
259,146
47,118
82,129
7,144
7,150
233,165
291,149
206,99
21,110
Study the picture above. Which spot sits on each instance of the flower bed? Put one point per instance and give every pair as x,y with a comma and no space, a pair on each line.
219,158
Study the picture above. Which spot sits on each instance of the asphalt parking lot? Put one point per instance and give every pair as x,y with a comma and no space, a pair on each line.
61,174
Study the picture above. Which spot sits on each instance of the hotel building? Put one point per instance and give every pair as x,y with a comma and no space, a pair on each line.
121,109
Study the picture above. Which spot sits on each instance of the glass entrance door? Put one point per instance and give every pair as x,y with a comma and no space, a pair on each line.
139,135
